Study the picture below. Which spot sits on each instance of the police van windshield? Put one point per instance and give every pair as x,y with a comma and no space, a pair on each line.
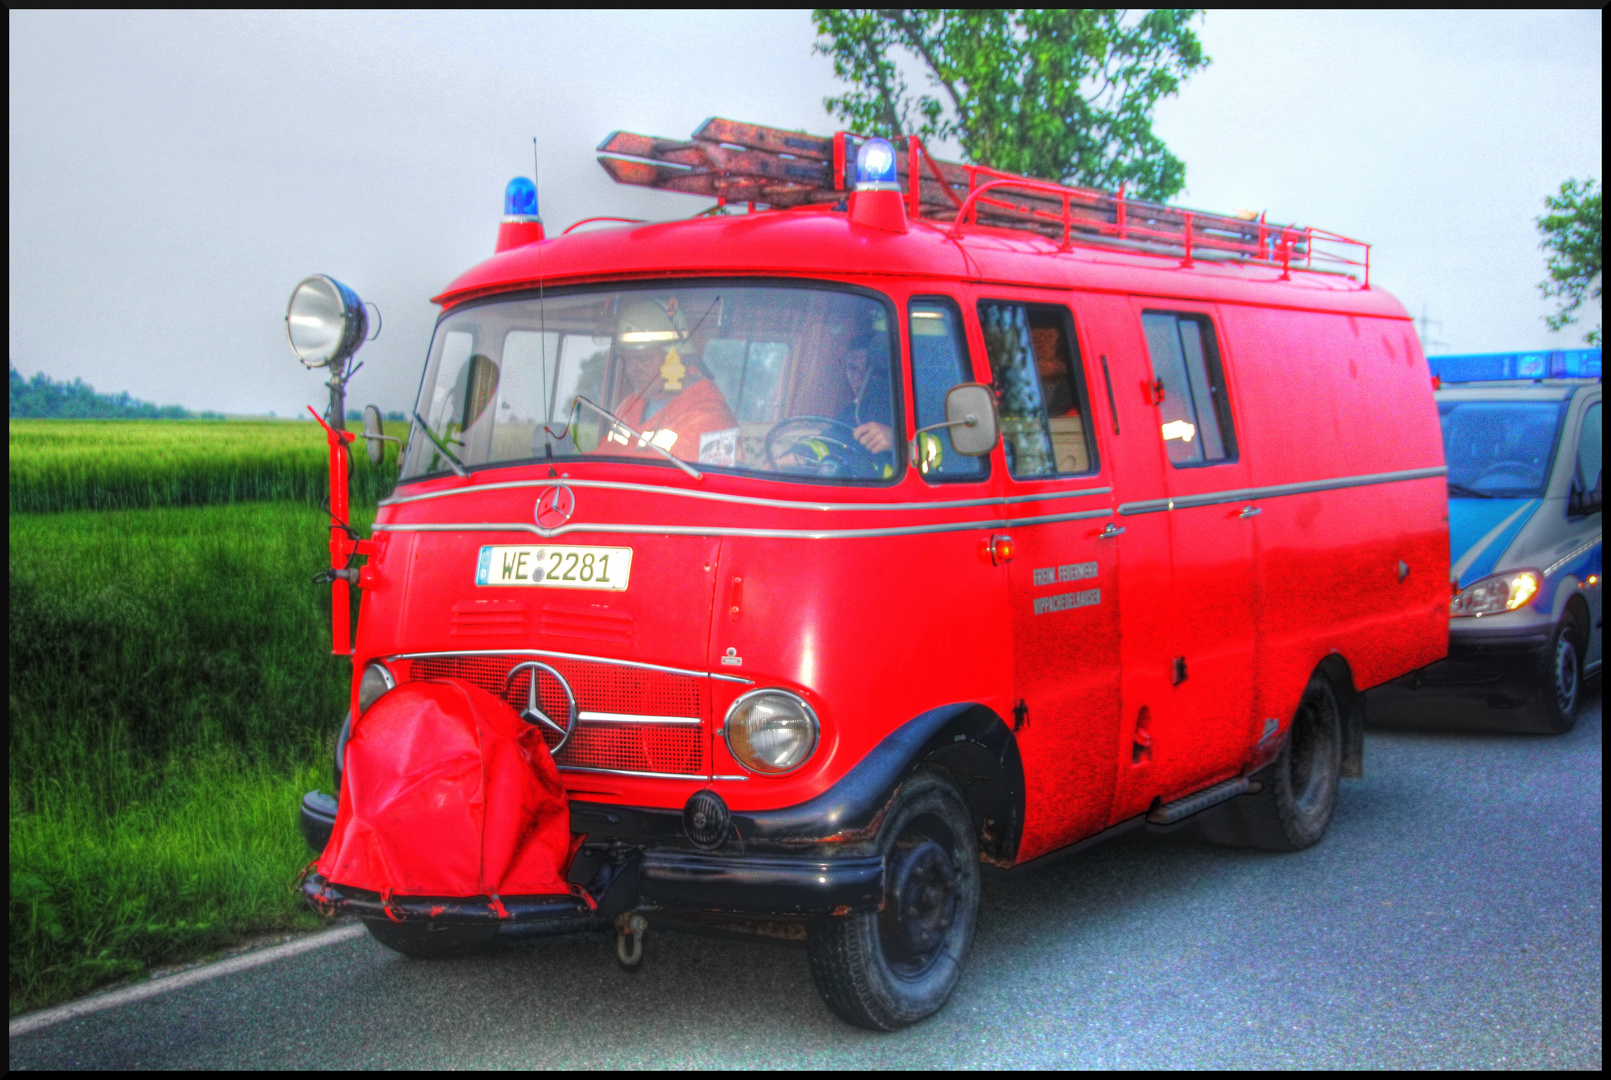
1499,449
775,380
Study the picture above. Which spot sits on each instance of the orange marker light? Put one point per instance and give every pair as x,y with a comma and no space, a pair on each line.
1002,549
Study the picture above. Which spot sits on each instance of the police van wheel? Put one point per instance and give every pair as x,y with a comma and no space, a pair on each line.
1299,789
429,941
1560,680
886,970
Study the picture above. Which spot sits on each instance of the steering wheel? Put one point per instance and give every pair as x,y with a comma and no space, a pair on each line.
816,451
1520,469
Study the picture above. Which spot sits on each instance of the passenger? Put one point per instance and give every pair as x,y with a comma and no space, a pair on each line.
668,396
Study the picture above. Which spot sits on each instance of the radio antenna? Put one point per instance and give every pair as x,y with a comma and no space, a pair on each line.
542,315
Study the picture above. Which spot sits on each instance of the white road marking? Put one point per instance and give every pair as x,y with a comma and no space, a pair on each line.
21,1025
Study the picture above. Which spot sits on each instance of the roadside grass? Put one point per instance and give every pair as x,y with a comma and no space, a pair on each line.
59,465
171,696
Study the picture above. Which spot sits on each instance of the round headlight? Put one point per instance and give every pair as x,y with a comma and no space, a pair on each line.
771,731
376,681
325,321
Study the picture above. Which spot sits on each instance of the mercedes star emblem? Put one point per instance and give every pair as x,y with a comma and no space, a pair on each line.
533,712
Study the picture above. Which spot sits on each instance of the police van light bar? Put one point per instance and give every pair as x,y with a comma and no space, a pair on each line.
1487,367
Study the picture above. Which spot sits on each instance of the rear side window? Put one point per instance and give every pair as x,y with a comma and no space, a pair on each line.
1040,389
1195,411
939,362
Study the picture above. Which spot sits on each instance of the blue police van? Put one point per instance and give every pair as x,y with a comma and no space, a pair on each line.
1522,439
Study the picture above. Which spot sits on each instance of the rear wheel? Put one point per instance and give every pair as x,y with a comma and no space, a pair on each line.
1559,677
886,970
1299,792
429,941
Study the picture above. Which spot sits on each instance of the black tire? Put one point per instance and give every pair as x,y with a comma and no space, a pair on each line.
887,970
1299,789
429,941
1558,674
342,736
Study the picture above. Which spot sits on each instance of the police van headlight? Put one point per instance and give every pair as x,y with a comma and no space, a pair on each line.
376,681
1491,596
771,731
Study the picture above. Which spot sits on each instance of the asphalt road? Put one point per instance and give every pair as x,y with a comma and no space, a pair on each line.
1451,917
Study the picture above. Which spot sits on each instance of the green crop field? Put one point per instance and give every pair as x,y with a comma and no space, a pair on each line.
172,692
120,464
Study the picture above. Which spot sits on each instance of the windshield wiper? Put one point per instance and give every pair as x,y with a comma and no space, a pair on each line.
643,440
1464,492
453,462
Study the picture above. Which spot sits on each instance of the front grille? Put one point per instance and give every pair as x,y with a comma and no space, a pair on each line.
601,687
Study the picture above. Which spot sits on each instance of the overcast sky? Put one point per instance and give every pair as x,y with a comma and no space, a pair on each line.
174,175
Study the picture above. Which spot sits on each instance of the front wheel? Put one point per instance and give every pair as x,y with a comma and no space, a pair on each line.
889,969
1559,679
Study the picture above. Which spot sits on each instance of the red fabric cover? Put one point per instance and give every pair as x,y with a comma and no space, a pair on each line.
446,792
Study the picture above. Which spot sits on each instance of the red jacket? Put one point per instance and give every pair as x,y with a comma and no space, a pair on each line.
696,411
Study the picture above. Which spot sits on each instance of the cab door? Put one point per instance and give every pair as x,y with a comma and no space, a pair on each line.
1062,576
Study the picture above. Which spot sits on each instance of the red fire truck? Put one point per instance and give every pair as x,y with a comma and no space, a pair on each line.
784,569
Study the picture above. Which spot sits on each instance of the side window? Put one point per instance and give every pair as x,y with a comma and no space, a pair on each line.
1588,451
1196,413
1040,388
939,362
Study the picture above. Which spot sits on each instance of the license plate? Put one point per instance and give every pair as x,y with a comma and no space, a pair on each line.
555,567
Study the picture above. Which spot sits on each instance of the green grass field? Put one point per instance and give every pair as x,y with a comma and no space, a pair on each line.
120,464
172,694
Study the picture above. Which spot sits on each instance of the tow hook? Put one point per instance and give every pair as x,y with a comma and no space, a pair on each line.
629,929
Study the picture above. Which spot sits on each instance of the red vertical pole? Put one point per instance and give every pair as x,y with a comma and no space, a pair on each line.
1187,260
1122,233
914,148
341,545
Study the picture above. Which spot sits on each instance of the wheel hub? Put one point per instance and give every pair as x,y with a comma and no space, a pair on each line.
1565,676
922,900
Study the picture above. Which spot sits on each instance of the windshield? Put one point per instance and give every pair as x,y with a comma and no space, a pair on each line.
750,379
1499,449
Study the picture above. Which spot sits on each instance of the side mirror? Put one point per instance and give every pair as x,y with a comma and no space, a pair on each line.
375,435
970,413
1581,502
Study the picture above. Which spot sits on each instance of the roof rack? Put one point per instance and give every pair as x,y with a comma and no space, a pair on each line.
735,162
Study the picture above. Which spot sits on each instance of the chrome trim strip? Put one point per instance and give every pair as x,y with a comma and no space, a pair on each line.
633,718
573,656
744,500
649,775
1153,506
1587,545
718,530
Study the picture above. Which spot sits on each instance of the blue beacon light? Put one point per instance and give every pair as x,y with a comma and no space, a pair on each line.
520,200
875,166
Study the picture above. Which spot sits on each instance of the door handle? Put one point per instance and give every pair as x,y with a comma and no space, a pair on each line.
1110,532
1250,511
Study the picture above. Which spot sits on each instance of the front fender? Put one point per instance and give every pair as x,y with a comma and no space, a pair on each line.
966,738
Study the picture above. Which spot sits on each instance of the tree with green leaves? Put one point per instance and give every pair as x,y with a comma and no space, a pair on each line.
1061,94
1572,237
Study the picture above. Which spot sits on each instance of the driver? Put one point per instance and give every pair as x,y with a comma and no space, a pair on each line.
668,397
868,411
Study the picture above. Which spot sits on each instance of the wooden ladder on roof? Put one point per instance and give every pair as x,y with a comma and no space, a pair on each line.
736,162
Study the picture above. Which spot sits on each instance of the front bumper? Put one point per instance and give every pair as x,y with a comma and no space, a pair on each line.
1490,672
663,876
